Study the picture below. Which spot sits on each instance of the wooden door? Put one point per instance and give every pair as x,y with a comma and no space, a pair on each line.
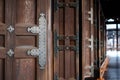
15,40
66,39
88,39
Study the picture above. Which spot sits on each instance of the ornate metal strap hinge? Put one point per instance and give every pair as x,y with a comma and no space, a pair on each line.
91,15
58,47
91,46
41,51
58,4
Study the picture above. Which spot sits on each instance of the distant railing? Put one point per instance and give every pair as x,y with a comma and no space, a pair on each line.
103,68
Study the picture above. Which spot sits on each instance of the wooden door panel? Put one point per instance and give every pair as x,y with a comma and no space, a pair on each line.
25,11
19,15
2,69
65,26
2,29
25,40
25,65
88,38
2,11
25,69
2,39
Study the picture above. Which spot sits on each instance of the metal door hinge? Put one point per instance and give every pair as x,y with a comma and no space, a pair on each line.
91,43
41,51
91,68
10,29
91,15
58,4
10,52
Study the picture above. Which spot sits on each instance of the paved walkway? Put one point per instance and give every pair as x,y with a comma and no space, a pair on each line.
113,71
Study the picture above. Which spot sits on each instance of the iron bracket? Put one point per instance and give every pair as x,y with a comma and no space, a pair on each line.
91,67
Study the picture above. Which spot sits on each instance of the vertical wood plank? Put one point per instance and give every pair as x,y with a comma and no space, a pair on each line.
2,70
25,69
23,12
8,60
50,40
79,31
61,42
56,28
67,42
85,37
2,12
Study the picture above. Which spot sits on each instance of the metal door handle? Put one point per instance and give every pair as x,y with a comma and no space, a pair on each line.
41,51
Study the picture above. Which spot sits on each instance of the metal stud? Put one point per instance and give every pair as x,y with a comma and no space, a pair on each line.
10,52
10,29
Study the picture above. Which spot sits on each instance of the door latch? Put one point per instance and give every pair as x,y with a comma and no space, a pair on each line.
91,43
41,51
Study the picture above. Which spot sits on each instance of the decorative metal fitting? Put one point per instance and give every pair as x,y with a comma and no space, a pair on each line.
41,51
88,73
92,43
88,67
91,15
10,29
10,52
